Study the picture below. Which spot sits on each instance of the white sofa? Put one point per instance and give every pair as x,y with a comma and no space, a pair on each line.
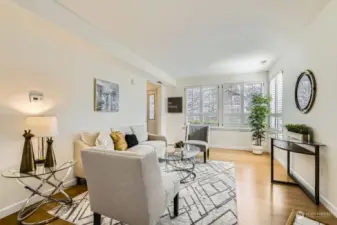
102,140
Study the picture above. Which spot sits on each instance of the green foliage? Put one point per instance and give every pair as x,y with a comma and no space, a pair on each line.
298,128
258,117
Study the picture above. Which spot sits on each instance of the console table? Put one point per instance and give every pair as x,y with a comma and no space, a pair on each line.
294,146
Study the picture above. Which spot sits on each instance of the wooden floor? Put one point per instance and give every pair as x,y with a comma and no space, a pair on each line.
259,202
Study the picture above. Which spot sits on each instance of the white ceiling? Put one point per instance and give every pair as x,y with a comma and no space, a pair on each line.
200,37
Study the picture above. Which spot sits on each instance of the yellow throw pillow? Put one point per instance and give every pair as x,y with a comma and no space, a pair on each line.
119,141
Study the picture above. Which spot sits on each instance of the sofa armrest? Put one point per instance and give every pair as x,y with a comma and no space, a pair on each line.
78,147
154,137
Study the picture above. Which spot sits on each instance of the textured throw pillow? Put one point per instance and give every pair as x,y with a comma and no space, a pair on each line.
89,138
141,132
104,140
131,139
119,141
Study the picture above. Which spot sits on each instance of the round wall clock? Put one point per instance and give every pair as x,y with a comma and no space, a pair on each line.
305,91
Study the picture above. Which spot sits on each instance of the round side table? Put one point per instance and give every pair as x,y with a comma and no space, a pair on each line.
46,177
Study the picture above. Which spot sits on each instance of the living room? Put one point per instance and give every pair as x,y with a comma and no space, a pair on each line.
86,71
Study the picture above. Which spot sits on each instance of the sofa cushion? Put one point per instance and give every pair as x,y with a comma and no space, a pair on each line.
131,139
159,147
119,141
104,140
89,138
141,132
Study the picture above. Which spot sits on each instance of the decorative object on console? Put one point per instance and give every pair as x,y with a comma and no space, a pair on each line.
175,105
131,139
42,127
28,158
298,131
258,121
50,157
106,96
305,91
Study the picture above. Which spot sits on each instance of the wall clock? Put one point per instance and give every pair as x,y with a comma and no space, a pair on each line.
305,91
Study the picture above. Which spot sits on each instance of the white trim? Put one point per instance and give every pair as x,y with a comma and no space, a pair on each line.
323,200
233,147
17,206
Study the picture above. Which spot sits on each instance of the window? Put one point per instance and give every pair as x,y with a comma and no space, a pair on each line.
152,105
237,102
276,104
202,105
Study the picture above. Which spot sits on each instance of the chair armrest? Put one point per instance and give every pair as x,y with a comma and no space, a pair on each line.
154,137
78,147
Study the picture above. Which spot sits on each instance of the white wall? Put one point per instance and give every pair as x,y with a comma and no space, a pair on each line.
315,50
219,138
35,55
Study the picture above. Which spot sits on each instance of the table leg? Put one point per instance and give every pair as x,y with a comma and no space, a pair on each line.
288,162
317,164
27,211
272,161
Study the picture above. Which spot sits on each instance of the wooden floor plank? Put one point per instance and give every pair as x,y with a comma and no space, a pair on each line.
259,202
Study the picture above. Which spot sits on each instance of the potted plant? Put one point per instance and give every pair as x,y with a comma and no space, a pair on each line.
258,121
298,131
178,147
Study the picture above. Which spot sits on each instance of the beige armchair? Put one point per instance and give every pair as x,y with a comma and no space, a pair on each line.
128,186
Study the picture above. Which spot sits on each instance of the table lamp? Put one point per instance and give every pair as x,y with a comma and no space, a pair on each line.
42,128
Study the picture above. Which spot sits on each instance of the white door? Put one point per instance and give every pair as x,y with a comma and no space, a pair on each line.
151,112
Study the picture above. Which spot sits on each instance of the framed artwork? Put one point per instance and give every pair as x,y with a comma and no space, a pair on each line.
175,104
106,97
305,91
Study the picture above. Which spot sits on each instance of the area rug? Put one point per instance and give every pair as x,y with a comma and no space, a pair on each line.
209,199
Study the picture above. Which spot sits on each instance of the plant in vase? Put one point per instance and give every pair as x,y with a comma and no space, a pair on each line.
258,120
178,147
298,131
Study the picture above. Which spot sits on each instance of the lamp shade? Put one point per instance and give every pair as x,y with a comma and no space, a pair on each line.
42,126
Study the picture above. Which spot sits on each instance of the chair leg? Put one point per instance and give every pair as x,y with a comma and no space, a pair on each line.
78,181
176,205
97,219
205,156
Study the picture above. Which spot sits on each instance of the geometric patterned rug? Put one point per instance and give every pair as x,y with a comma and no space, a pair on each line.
209,199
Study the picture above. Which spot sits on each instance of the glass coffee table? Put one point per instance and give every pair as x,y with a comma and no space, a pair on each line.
182,161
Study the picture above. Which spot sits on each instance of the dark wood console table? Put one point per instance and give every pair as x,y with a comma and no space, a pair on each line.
294,146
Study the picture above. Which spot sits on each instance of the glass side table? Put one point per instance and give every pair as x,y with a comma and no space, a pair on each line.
46,177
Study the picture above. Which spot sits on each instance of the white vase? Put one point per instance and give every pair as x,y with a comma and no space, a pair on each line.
257,150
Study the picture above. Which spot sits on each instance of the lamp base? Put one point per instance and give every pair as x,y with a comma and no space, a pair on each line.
39,161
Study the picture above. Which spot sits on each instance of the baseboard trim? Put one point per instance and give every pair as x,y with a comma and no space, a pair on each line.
17,206
324,201
244,148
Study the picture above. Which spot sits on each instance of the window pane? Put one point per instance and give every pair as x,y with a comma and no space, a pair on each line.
272,122
210,120
194,119
279,82
231,120
249,91
151,107
193,100
272,91
279,123
231,98
210,99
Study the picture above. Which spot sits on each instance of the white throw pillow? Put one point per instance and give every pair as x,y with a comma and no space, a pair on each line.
103,139
89,138
141,132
